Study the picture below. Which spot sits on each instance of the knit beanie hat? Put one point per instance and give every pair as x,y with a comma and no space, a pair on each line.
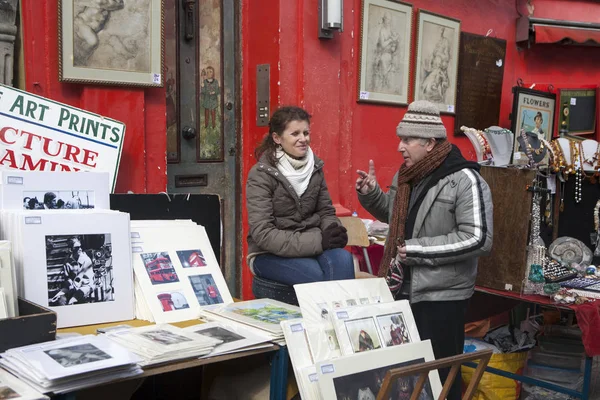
422,120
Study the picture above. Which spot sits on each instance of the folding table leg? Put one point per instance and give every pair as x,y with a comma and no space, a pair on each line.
367,260
587,375
279,373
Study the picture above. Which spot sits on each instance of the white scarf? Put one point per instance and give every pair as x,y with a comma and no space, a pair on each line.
296,171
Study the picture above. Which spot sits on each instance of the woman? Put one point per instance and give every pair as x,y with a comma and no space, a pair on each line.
294,235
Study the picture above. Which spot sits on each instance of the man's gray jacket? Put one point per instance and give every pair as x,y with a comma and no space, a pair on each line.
449,226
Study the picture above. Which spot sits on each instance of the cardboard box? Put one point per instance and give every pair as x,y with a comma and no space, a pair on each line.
35,324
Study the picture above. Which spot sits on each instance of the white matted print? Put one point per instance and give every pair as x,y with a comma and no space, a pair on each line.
266,314
79,269
205,289
191,258
172,301
58,199
385,52
47,190
77,355
366,327
233,336
437,60
164,337
318,299
76,262
360,376
159,267
362,334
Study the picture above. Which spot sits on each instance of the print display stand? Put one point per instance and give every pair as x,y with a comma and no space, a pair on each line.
203,209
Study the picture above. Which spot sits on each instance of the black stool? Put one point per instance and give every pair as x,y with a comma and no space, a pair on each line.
264,288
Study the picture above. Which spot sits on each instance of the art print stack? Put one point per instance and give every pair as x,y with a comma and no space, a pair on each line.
163,343
234,337
66,365
8,282
13,388
351,334
75,262
176,271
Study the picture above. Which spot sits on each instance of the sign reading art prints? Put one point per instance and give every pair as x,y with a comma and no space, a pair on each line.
43,135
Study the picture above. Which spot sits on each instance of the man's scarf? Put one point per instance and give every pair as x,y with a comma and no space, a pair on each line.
390,268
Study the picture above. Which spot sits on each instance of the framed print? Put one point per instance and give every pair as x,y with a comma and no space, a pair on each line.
437,60
360,376
385,46
114,42
577,112
532,121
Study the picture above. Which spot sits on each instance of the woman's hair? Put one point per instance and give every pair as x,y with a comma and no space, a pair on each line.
277,124
539,114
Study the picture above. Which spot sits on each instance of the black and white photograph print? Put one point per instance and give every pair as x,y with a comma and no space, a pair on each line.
79,269
223,334
172,301
206,289
363,334
332,341
159,267
77,355
393,329
191,258
164,337
7,393
58,200
366,384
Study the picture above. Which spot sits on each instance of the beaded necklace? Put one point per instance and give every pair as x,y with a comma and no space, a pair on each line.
559,159
578,176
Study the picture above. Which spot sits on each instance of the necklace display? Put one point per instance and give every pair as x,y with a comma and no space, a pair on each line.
487,151
558,162
529,150
596,216
575,154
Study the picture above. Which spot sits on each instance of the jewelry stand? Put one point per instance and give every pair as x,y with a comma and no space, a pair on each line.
470,133
564,148
531,145
589,154
501,143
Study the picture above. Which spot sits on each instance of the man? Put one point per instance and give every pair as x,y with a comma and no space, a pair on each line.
440,214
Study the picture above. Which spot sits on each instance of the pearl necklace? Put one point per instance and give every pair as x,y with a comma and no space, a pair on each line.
578,175
596,216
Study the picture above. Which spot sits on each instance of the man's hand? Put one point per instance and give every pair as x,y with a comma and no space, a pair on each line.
366,182
401,254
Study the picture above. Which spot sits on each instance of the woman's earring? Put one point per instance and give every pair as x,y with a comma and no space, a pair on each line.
278,147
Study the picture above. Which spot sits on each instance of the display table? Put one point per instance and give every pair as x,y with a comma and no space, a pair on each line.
588,319
279,363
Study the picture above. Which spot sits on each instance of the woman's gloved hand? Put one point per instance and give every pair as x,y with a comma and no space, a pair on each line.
334,236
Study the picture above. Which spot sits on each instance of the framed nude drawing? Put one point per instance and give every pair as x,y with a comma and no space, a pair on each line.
112,42
385,46
437,60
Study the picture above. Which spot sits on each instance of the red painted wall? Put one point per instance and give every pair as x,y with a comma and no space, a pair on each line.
322,76
143,160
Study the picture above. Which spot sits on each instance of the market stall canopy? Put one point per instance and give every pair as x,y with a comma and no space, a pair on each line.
541,30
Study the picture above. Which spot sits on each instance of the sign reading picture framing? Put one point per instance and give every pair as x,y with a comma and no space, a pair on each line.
43,135
436,67
533,112
386,28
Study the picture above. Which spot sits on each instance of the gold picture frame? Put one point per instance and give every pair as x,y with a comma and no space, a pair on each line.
119,44
385,52
436,66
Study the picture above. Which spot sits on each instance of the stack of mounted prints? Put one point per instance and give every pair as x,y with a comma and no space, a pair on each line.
176,271
352,332
66,365
13,388
162,343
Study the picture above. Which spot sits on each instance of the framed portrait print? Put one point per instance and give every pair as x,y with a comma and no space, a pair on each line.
436,65
116,42
385,46
532,113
